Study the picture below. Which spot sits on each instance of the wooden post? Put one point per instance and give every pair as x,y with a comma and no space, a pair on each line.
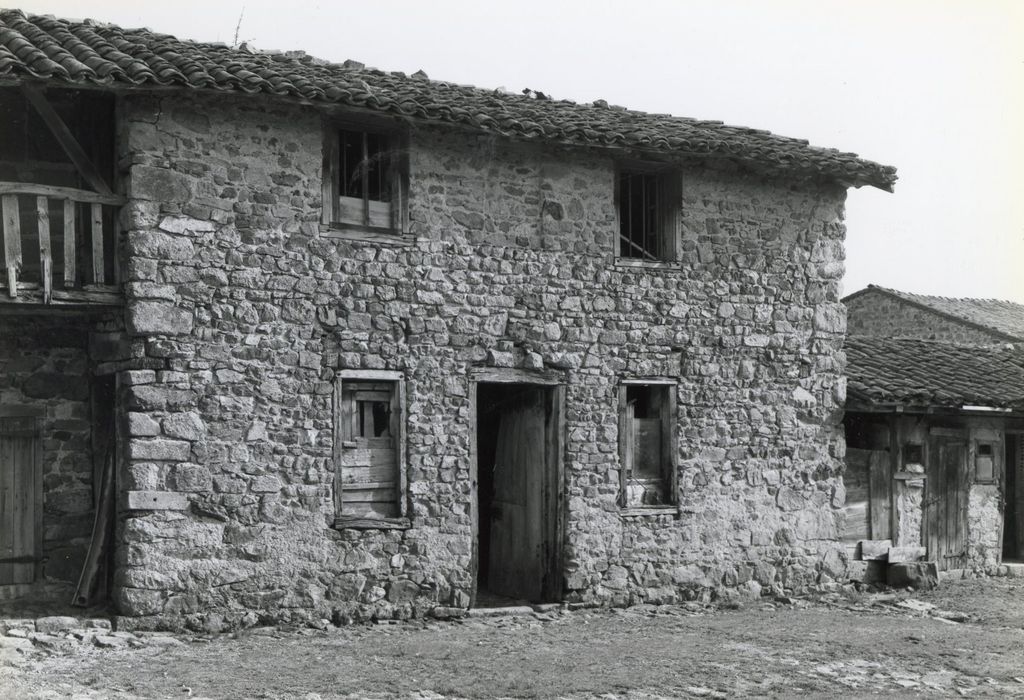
12,241
45,256
70,253
97,243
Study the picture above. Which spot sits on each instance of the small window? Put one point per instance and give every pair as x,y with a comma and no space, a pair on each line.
363,180
913,454
648,207
985,462
369,451
647,444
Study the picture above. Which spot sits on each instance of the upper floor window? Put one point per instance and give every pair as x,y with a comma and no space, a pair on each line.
364,180
648,207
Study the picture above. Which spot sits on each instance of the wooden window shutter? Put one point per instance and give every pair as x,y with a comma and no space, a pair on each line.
669,208
329,189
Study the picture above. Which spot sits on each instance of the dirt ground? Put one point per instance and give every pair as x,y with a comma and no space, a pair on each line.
964,639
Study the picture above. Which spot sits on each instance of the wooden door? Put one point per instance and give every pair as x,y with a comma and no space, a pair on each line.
20,500
518,514
945,505
1013,512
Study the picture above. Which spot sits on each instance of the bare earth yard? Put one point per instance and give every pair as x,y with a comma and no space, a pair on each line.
964,639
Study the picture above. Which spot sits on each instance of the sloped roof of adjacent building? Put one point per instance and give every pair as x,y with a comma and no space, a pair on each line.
87,53
930,373
1002,317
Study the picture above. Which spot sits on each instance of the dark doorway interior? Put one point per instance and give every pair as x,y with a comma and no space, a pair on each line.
1013,513
517,494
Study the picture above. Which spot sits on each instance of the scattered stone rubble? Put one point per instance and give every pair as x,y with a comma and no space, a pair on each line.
23,637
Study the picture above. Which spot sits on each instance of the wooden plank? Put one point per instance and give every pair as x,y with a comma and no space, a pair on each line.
880,495
374,523
366,422
372,395
365,485
66,139
25,536
625,446
116,238
364,474
45,254
329,187
501,375
398,431
671,443
874,550
7,495
368,496
53,192
97,243
339,437
70,251
375,215
30,294
12,241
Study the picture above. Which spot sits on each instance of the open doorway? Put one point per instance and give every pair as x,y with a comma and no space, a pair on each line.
1013,512
518,494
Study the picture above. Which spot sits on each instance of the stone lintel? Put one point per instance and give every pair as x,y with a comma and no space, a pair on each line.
154,500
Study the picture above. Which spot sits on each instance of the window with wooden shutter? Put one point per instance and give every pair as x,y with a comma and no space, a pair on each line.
365,180
647,443
369,450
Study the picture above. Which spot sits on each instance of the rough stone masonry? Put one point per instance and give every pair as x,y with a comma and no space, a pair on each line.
241,311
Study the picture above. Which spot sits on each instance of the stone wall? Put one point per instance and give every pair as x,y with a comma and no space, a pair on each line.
44,372
880,315
248,309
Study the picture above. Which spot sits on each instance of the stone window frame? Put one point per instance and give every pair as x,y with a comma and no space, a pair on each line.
398,145
670,189
354,522
670,426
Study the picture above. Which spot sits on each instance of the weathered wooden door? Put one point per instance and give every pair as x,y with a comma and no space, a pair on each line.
518,514
945,504
20,500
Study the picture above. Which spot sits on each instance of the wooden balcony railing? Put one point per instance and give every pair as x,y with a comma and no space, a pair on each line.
59,245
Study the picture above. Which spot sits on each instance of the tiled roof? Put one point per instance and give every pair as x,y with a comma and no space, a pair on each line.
91,54
930,373
1004,317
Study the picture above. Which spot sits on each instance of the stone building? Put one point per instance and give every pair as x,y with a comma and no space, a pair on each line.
888,313
935,450
309,340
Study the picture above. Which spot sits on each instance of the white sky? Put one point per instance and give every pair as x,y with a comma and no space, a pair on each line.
934,87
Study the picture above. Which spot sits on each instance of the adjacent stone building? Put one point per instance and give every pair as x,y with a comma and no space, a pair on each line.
889,313
379,345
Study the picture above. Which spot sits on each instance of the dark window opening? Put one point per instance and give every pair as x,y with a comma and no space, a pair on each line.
364,166
913,454
648,210
647,443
